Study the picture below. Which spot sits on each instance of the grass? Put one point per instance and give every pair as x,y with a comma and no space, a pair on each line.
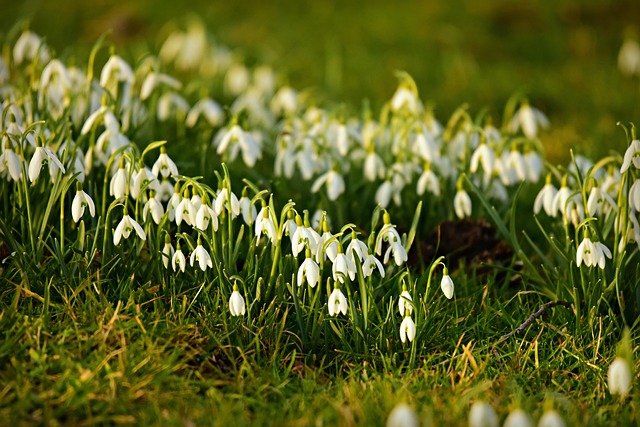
97,333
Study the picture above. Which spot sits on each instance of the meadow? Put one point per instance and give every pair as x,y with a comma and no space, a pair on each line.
240,216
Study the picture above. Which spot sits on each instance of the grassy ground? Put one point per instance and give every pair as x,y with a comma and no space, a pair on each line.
113,353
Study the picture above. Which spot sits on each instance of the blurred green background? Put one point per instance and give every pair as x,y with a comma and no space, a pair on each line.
561,53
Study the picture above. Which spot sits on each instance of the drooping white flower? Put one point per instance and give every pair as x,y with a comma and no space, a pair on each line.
592,253
405,99
331,249
446,284
560,199
399,253
236,303
154,207
178,260
164,165
545,199
534,165
304,236
407,329
428,181
334,182
10,161
403,415
28,46
41,156
202,257
634,195
357,248
632,155
125,227
235,139
551,418
229,201
118,183
265,225
248,210
115,70
373,166
81,201
207,108
462,204
483,155
285,101
384,193
167,252
370,264
482,414
619,377
343,267
171,105
185,211
518,418
309,271
337,303
599,201
205,216
629,58
153,80
528,119
405,303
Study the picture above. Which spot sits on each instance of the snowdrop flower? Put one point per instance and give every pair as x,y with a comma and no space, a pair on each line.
482,414
207,108
125,227
118,183
383,194
561,198
483,155
545,198
462,204
403,415
331,250
404,302
41,156
235,139
171,104
597,201
185,211
227,200
619,377
178,260
154,207
247,209
266,225
405,97
153,80
236,79
285,101
236,303
201,256
428,181
528,119
304,235
205,216
174,202
343,267
342,139
356,248
399,253
115,70
167,252
28,46
373,166
518,418
388,233
629,58
446,284
10,161
634,195
592,253
370,263
551,418
337,302
407,329
533,165
164,165
334,182
81,201
632,155
309,271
